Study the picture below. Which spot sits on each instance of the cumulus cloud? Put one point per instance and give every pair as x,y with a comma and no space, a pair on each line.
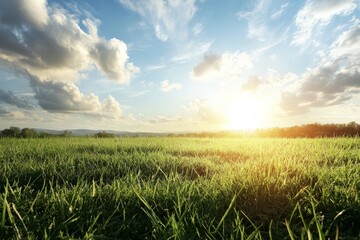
67,98
170,18
49,43
252,84
228,66
166,86
109,55
332,83
210,63
110,105
48,46
63,97
319,12
10,98
18,12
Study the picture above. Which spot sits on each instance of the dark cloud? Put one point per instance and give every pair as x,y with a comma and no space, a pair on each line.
3,112
251,85
18,13
9,98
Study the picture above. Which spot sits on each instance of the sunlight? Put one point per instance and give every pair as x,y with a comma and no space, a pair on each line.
246,112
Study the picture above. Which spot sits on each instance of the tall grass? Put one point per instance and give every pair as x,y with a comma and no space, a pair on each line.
179,188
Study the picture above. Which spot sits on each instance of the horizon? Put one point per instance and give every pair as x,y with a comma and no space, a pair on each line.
240,131
178,66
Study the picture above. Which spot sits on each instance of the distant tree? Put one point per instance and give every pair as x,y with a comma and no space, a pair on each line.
67,133
11,132
28,133
104,135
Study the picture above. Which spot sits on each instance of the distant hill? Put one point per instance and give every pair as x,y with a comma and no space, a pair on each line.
90,132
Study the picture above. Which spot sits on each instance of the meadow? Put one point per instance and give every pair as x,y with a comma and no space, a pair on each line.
180,188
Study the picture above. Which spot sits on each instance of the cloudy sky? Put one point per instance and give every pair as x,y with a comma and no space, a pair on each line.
178,65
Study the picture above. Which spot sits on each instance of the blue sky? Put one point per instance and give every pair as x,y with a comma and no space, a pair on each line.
170,65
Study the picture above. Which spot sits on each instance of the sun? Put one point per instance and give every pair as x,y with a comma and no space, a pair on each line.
246,113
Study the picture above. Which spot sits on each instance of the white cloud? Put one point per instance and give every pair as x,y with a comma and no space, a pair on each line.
166,86
333,82
280,12
347,45
110,105
198,29
154,67
191,51
319,12
256,19
228,66
60,97
160,34
170,18
49,43
110,56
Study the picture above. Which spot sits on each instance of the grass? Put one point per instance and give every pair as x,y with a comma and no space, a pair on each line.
179,188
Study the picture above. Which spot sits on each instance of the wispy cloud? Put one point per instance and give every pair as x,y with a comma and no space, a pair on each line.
191,50
169,18
154,67
319,13
197,29
256,20
280,12
140,93
167,86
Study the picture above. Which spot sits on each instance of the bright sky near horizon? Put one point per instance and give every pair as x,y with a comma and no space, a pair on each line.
178,65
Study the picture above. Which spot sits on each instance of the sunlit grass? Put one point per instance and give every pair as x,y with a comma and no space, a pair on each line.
180,188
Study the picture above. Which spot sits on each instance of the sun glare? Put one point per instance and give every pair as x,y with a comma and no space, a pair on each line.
246,112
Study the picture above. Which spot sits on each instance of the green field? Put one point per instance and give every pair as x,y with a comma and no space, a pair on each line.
180,188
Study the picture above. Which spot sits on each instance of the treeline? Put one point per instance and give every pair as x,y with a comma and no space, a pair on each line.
15,132
313,130
351,129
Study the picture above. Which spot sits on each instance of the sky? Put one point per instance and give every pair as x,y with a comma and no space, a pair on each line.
178,65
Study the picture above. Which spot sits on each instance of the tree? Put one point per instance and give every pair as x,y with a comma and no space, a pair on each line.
28,133
67,133
104,135
11,132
